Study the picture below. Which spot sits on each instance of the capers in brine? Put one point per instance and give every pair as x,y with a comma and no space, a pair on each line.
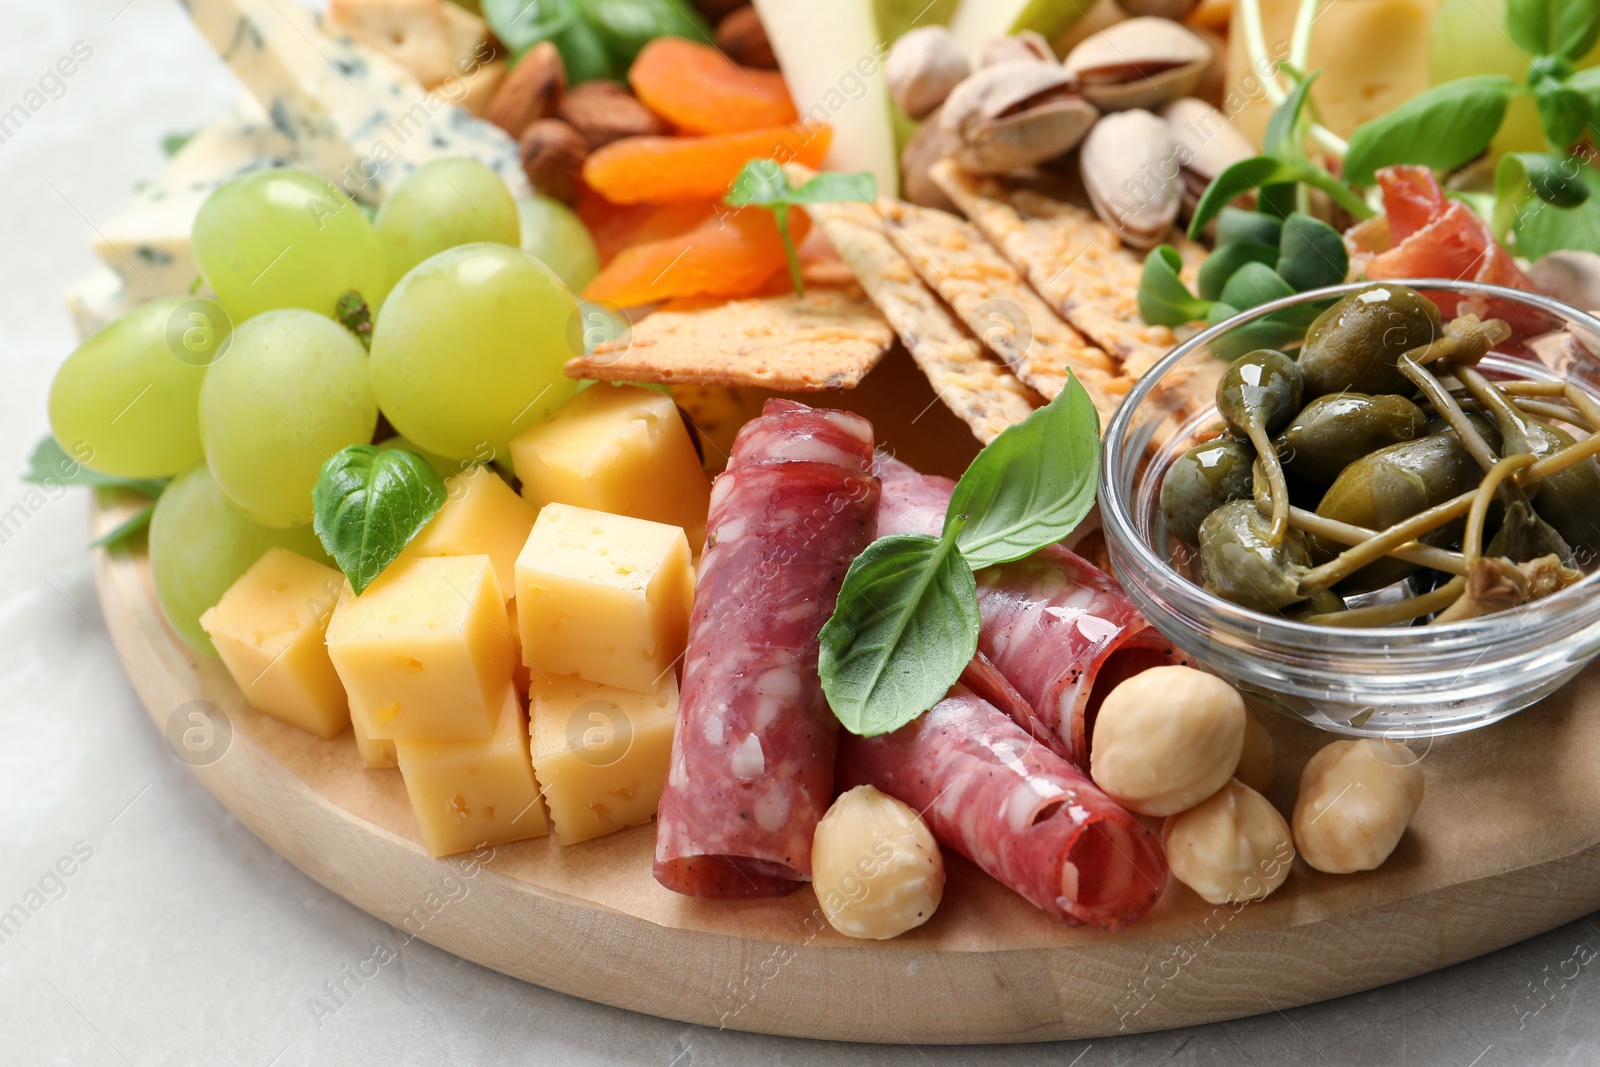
1332,432
1568,500
1356,344
1202,480
1258,393
1240,562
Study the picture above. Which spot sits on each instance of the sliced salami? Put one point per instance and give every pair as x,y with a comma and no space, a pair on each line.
752,761
1059,629
1030,819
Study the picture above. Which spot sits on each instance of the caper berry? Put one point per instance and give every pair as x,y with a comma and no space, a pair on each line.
1357,343
1240,562
1334,431
1202,480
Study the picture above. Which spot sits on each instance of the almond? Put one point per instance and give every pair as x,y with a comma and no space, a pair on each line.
532,90
604,111
744,39
552,156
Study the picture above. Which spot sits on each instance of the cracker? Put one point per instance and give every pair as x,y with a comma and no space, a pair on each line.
1074,260
983,394
826,339
955,260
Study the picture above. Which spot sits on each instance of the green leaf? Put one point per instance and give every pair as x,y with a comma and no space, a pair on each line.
1235,224
1220,265
173,143
1565,28
521,24
626,26
837,187
50,465
368,504
1260,171
1284,138
1311,254
1540,228
1254,284
124,530
1163,298
1280,330
1564,112
760,181
585,54
763,183
904,628
1032,485
1441,128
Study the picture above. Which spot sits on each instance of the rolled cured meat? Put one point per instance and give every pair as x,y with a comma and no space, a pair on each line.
751,771
1057,627
1031,820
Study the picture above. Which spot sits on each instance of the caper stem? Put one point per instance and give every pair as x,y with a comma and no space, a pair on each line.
1439,559
1466,340
1446,405
1472,541
1398,611
1276,483
1586,404
1553,412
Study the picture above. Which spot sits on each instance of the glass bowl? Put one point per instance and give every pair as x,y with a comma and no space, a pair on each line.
1399,681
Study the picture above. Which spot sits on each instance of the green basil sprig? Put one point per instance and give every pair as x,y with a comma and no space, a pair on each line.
368,504
764,183
50,466
596,38
906,622
1443,128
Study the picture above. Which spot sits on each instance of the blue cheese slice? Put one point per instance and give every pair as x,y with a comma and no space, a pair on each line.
354,115
96,301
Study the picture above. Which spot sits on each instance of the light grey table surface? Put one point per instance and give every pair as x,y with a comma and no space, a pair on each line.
182,939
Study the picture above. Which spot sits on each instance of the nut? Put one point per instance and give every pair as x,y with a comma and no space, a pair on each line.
1205,141
1132,176
1026,45
1161,9
1143,63
875,866
922,68
1014,115
931,144
1356,799
604,111
1257,762
717,10
744,39
552,156
1231,846
1166,739
532,90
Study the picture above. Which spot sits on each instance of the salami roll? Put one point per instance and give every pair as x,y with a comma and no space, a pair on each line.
1031,820
752,761
1057,627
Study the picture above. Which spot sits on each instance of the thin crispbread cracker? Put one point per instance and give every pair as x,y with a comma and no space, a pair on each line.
955,260
825,339
983,394
1074,260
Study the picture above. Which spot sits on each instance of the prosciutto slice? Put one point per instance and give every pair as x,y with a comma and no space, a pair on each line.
1059,629
1027,817
751,771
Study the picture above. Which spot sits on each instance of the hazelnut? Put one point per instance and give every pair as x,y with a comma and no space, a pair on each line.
922,68
744,39
532,90
1166,739
875,866
1356,800
552,156
1231,846
603,111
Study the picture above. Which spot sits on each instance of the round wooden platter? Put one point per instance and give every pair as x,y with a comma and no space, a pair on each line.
1506,845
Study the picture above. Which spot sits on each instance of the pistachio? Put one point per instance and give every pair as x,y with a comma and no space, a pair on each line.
1141,63
931,144
1131,173
1206,142
532,90
1161,9
923,67
1015,114
1026,45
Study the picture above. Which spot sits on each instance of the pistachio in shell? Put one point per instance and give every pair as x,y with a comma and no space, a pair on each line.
922,69
1140,63
1205,141
1132,177
1013,115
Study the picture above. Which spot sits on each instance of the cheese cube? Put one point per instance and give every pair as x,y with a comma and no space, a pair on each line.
471,793
375,752
481,516
604,597
268,628
425,652
617,448
520,673
600,753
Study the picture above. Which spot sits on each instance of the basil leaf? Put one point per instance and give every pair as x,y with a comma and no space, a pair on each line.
1539,228
1284,139
521,24
626,26
1253,284
1565,28
760,181
124,530
836,187
1220,265
1256,173
585,54
1311,254
1522,176
1234,224
49,465
1163,298
1441,128
1032,485
1563,111
904,628
368,504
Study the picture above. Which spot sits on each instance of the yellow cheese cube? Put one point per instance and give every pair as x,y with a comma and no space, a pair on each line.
600,753
617,448
375,752
471,793
604,597
268,628
481,517
425,652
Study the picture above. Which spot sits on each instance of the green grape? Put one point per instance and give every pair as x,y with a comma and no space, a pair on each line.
127,401
551,231
293,390
446,203
445,467
286,239
200,544
469,350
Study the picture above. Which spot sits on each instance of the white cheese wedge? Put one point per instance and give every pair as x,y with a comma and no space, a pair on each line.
96,301
354,115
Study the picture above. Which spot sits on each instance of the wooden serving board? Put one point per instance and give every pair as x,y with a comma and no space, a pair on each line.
1506,845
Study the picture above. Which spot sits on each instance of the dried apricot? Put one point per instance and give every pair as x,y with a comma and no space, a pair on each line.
658,169
619,226
700,90
732,255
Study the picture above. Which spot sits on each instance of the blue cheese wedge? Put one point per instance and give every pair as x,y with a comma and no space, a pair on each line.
96,301
353,115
